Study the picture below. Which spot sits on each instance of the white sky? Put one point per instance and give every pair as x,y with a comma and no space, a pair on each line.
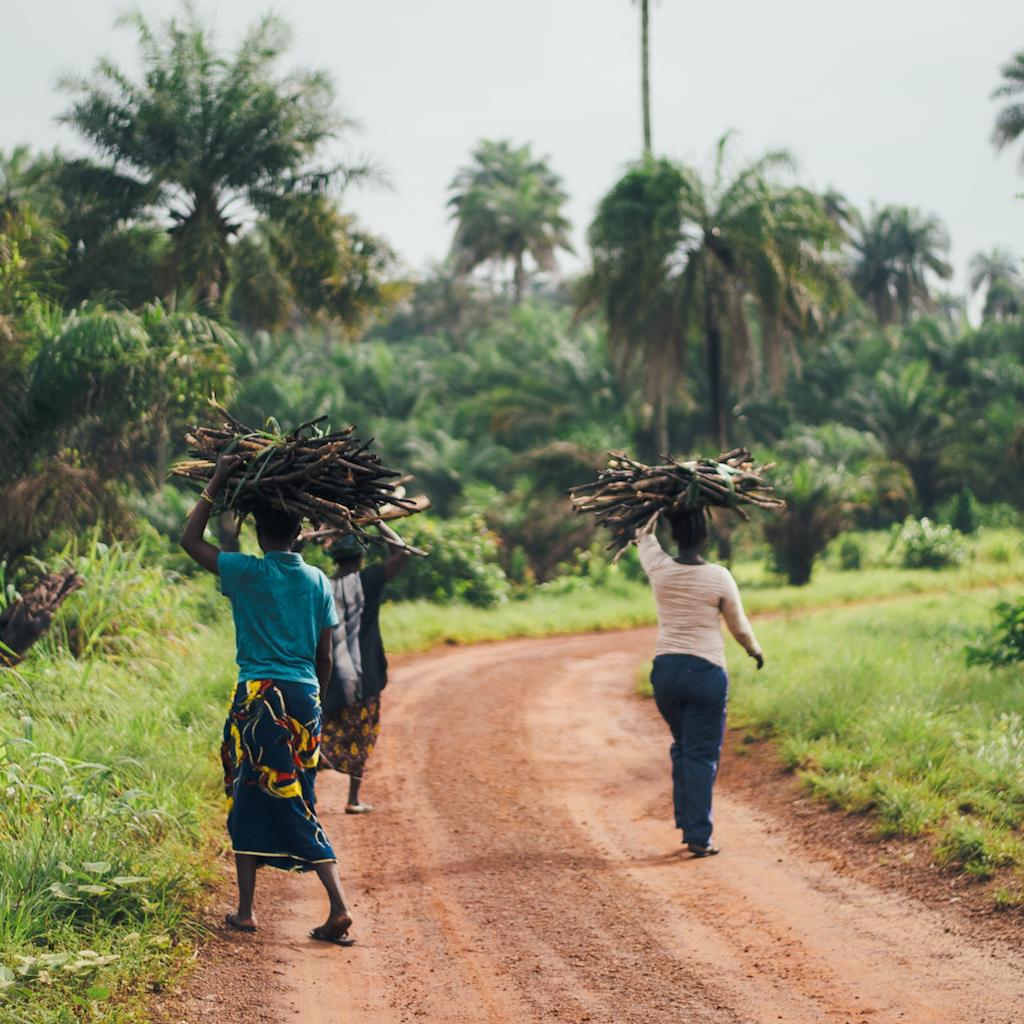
882,99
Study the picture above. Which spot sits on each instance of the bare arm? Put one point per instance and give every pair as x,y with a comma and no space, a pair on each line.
324,658
736,619
394,563
192,539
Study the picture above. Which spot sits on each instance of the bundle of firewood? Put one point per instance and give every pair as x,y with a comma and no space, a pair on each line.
629,497
332,479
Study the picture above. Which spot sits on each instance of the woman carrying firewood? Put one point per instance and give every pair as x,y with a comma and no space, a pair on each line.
352,703
284,619
689,678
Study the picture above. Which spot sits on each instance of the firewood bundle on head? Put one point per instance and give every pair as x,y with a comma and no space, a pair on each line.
629,497
331,479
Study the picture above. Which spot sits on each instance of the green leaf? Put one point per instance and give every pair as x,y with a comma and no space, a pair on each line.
95,890
127,879
96,867
98,992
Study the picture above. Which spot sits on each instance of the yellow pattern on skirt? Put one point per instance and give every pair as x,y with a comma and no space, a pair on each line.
349,737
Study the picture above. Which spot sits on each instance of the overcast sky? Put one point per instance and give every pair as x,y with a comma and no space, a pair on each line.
885,100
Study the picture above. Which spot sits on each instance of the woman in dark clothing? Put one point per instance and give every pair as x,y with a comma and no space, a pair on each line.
360,673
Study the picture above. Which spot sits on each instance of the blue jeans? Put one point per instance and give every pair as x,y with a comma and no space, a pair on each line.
691,695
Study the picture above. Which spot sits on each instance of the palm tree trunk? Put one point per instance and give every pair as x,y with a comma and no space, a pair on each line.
713,351
645,72
518,280
661,421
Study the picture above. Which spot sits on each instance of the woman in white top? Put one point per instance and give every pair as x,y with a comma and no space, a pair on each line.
689,679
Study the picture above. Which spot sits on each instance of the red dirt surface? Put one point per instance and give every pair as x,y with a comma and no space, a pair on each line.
521,866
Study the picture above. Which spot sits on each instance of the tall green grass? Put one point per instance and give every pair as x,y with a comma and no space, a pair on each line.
879,712
107,780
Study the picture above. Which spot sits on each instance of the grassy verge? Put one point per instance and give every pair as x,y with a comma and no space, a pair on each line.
577,605
108,771
420,625
877,710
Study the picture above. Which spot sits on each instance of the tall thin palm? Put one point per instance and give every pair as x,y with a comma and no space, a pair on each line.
645,70
216,135
507,205
1010,120
896,253
998,273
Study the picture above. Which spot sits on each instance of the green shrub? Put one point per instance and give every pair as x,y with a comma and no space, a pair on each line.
963,515
815,513
922,544
1005,643
851,553
462,565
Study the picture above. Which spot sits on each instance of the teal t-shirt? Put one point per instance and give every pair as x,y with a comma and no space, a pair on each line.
279,605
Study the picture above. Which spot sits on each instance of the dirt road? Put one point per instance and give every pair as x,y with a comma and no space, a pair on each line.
522,867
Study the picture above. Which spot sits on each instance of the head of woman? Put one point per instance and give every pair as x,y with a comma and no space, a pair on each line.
276,530
689,529
347,553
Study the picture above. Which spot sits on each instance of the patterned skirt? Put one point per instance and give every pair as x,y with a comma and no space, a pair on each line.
270,752
350,736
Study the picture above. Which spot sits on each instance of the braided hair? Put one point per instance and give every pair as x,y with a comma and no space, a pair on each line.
689,527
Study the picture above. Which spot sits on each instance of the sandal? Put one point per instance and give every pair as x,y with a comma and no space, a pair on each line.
231,920
358,808
703,851
322,934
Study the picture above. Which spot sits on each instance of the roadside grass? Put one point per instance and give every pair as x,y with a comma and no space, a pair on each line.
878,712
577,605
108,776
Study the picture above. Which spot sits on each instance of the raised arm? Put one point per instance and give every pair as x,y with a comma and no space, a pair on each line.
394,563
650,551
736,619
192,539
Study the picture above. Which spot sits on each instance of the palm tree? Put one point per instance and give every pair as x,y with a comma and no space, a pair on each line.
999,273
896,252
912,413
816,512
507,205
742,259
1010,120
215,137
634,241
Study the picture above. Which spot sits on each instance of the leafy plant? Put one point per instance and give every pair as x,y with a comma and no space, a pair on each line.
462,567
923,544
851,553
1005,643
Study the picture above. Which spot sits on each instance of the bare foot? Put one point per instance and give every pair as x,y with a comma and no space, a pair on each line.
239,923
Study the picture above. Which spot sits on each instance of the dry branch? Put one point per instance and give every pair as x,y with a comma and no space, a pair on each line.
628,496
331,479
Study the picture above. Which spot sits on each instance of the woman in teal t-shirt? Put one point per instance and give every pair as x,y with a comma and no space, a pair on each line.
284,617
